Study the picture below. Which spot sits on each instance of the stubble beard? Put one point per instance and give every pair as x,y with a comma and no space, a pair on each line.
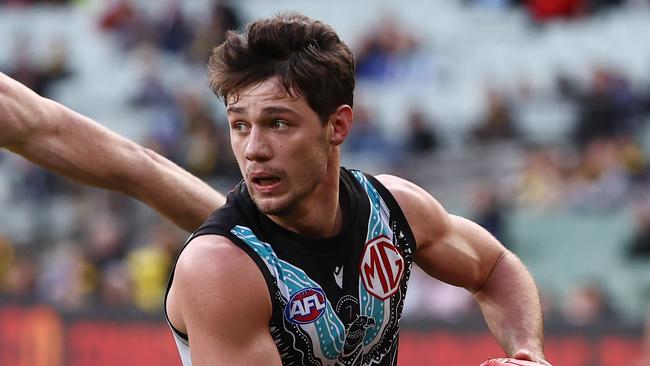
286,204
281,206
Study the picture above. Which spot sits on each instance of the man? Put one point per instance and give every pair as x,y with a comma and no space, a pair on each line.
307,263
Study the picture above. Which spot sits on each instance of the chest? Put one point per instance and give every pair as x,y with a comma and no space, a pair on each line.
338,309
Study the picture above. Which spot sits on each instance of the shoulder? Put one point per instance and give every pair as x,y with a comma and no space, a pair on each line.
214,277
215,260
426,216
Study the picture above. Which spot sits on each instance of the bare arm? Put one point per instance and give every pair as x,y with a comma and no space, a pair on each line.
460,252
70,144
220,300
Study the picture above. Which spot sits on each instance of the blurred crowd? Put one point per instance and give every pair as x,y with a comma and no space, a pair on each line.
119,255
541,11
19,3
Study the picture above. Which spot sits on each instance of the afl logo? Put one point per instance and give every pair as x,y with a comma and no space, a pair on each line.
306,306
382,267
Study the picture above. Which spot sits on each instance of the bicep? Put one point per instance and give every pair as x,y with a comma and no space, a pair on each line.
449,247
231,344
463,256
224,305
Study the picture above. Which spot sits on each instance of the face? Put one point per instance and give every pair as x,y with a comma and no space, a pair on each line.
281,146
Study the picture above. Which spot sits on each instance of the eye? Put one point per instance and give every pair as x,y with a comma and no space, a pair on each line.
278,124
240,126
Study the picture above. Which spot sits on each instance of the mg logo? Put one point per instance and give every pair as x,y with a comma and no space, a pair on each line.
305,306
381,267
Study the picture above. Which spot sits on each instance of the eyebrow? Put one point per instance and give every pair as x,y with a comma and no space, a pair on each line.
267,110
239,110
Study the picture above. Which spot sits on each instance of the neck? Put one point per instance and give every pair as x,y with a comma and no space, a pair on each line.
325,221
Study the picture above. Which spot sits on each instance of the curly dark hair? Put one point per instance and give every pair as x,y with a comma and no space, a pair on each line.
306,56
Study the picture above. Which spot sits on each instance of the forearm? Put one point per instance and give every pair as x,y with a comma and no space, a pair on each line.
510,304
172,191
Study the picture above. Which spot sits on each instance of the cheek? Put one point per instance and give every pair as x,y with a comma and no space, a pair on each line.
238,152
312,158
237,147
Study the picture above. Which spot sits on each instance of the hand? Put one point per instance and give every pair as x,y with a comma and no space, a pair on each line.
524,354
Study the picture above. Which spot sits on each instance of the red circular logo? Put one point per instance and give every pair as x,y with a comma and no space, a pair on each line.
381,267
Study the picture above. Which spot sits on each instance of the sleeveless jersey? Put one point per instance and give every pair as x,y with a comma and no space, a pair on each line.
337,300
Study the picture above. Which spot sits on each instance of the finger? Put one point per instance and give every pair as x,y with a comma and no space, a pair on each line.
524,354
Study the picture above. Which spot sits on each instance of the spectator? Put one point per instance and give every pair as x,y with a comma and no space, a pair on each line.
223,18
57,65
540,183
63,279
388,53
639,244
588,304
488,211
149,265
607,109
435,300
6,259
115,286
37,77
498,123
204,148
152,91
22,67
599,182
365,136
21,276
545,10
421,137
174,32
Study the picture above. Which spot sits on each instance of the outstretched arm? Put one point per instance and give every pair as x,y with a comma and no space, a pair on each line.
462,253
68,143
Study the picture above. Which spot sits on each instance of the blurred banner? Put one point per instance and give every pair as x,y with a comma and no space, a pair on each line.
37,335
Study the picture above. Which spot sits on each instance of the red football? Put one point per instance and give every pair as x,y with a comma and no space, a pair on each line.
509,362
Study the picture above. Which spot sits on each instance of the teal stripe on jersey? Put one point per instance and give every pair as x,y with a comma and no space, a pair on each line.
378,224
330,329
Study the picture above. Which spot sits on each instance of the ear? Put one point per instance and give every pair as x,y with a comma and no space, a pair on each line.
340,124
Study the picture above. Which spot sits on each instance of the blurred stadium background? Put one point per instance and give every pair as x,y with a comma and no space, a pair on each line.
530,116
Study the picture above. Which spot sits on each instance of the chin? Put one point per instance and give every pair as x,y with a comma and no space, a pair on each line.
273,206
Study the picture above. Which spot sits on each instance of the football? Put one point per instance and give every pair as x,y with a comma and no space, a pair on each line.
510,362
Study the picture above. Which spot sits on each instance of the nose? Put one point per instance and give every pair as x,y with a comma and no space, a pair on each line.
257,146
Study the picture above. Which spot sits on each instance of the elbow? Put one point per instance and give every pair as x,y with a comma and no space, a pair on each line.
508,276
492,274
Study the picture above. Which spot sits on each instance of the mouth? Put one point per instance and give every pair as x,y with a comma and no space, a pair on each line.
264,183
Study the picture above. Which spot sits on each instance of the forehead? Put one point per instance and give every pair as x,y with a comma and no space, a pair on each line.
268,92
